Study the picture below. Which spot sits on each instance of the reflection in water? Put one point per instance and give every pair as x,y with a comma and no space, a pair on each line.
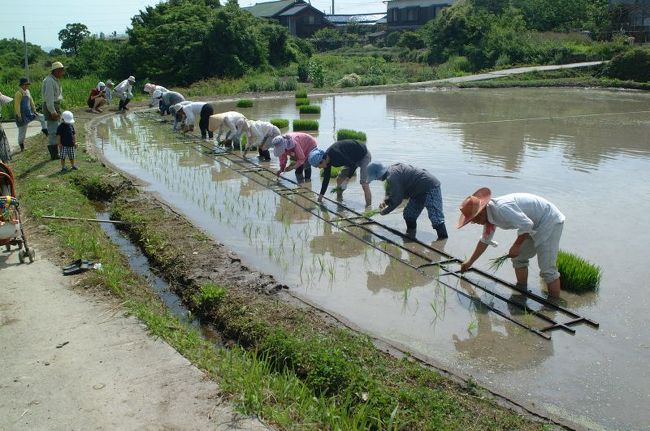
500,346
398,276
338,244
484,120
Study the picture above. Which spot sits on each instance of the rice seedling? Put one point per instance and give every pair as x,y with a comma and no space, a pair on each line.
302,102
301,93
471,326
309,109
280,123
577,274
334,172
337,190
370,213
244,103
350,134
497,262
305,125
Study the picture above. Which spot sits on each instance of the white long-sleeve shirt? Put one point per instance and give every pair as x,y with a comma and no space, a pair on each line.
192,111
260,133
124,89
525,212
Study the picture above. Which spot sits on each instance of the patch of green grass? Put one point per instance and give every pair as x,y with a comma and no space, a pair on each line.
305,125
301,93
280,123
244,103
577,274
350,134
309,109
208,296
302,101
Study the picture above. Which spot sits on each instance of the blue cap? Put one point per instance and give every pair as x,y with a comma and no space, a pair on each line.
316,156
376,171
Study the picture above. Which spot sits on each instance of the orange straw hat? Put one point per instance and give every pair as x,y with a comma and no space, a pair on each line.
472,205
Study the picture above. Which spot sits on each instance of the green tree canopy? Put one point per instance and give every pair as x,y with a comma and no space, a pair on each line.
72,36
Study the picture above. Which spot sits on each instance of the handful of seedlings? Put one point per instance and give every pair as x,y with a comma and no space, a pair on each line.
337,190
577,274
497,262
370,213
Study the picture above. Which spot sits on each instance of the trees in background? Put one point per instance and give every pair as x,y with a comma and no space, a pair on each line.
72,36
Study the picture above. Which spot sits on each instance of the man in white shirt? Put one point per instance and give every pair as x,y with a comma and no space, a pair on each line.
260,134
124,91
539,227
190,112
52,98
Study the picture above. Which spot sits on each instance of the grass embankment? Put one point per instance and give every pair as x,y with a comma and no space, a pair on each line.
287,365
587,77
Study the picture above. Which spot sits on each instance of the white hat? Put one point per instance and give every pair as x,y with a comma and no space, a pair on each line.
68,117
4,99
56,65
131,78
100,85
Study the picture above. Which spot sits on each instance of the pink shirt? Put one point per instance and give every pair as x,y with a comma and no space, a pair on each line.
303,144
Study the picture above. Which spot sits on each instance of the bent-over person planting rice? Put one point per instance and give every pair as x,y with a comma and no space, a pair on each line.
539,227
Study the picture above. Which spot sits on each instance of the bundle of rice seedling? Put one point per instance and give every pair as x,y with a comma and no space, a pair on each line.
309,109
497,262
301,93
302,101
577,274
350,134
370,213
305,125
244,103
334,172
280,123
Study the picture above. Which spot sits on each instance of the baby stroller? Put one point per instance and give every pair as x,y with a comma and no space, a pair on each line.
11,228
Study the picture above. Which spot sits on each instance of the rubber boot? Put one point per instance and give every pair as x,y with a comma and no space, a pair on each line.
54,152
441,230
264,154
411,228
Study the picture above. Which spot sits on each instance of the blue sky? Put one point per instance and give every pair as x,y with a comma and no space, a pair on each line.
44,18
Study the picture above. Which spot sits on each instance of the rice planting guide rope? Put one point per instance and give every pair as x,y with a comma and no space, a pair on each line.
348,220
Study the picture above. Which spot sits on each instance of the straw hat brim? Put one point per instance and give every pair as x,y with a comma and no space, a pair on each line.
484,195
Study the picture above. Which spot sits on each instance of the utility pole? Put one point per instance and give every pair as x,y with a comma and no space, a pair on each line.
25,44
332,7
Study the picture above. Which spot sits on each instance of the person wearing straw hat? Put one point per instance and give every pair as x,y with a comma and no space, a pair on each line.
418,186
124,91
25,110
539,227
5,152
52,97
296,145
66,139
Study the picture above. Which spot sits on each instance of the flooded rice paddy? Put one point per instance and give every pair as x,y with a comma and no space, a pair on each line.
586,151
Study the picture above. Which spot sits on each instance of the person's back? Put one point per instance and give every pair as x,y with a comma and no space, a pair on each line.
515,210
346,152
412,181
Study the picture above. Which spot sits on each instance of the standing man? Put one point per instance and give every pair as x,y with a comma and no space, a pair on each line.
348,153
124,91
419,186
539,227
25,110
52,97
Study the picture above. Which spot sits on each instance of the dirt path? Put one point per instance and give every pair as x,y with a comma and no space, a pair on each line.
72,361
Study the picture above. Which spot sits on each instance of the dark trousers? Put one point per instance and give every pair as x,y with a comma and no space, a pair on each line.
204,119
123,103
304,171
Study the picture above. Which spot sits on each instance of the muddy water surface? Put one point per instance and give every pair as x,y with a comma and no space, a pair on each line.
586,151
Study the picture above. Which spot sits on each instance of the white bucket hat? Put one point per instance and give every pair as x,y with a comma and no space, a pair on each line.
131,78
68,117
56,65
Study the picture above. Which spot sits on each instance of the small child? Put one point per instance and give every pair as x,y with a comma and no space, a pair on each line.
66,140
